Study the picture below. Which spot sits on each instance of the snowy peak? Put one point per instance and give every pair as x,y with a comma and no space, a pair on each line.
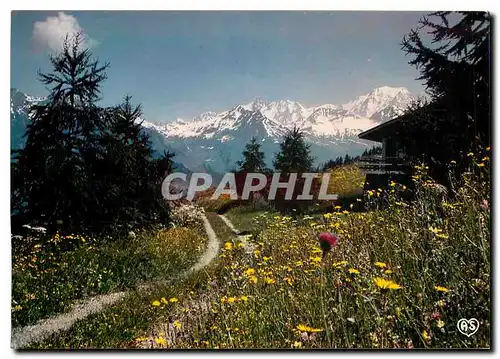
333,120
377,100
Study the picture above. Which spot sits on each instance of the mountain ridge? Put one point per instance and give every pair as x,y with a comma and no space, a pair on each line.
214,141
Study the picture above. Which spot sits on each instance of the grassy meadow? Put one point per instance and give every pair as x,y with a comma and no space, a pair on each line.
49,274
402,275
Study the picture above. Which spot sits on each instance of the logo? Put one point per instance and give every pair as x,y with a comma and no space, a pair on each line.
254,182
468,327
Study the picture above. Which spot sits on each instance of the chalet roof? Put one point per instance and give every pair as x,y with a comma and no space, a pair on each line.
384,130
391,127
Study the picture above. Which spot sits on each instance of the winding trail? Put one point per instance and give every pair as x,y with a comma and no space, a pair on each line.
248,246
24,336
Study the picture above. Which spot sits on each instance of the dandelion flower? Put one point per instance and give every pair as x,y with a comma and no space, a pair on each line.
228,246
269,280
426,335
174,300
441,289
386,284
249,272
308,329
160,341
156,303
339,264
380,264
253,279
353,271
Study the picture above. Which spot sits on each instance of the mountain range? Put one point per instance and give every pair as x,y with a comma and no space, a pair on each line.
214,142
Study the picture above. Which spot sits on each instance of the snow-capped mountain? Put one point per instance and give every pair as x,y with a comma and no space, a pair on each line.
379,99
19,117
214,141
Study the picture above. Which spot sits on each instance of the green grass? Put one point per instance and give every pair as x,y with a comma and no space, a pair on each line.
46,281
245,218
119,325
433,253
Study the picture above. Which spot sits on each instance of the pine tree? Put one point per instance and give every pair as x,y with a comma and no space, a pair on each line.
253,158
294,155
51,172
89,168
456,69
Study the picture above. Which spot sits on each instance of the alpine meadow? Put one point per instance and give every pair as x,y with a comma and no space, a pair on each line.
251,180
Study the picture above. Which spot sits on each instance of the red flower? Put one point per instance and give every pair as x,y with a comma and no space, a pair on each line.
327,241
436,316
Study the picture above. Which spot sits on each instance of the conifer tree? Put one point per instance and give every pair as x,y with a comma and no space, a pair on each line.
456,69
294,154
253,158
86,168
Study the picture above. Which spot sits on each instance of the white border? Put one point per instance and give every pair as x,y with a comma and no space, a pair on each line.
386,5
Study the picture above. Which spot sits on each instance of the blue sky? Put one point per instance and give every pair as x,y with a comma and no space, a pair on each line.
180,64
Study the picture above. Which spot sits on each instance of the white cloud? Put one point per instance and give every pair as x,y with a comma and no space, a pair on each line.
50,33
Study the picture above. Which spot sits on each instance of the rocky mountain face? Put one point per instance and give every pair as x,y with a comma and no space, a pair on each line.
214,141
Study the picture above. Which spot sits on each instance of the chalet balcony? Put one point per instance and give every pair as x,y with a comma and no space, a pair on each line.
380,165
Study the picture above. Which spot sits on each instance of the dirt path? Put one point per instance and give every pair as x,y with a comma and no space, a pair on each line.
248,246
21,337
199,306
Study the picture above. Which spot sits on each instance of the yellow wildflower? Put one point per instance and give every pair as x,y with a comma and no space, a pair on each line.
174,300
315,259
353,271
249,272
341,263
426,335
231,300
228,246
297,345
440,324
386,284
308,329
244,298
156,303
441,289
380,264
269,280
160,341
253,279
177,324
